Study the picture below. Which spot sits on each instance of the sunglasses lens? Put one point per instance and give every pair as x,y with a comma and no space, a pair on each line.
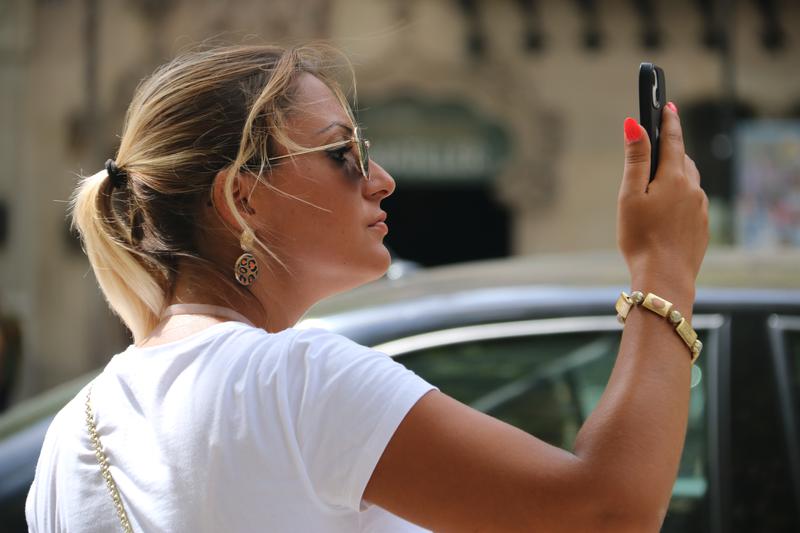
363,152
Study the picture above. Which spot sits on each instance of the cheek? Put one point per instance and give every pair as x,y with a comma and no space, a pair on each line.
334,235
341,239
337,230
311,231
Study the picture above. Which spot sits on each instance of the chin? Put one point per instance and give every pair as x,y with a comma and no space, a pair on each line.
376,269
384,263
376,266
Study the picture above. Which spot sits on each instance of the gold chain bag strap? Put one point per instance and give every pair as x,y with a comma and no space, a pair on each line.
103,460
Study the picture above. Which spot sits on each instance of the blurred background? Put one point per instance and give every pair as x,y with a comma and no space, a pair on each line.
501,119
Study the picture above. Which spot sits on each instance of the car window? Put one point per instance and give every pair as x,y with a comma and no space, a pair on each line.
548,384
788,378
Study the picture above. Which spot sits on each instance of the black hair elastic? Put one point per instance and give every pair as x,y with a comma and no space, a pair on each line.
118,177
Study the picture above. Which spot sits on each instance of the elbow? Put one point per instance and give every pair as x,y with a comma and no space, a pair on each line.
626,520
628,511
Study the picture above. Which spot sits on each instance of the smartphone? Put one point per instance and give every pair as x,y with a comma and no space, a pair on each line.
652,99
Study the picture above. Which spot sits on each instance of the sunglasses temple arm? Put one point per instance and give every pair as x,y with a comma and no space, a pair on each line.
311,150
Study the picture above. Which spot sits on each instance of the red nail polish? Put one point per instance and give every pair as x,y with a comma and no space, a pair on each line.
673,107
632,130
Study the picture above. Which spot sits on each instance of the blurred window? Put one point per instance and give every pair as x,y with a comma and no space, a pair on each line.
548,384
708,129
763,462
785,343
785,340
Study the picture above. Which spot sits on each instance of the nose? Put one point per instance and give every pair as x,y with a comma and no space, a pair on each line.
380,183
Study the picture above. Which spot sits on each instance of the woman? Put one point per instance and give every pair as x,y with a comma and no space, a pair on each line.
242,193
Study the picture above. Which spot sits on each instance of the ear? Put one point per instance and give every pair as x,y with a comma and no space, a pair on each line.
243,185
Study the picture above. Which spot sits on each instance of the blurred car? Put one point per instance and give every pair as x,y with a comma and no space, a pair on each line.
532,341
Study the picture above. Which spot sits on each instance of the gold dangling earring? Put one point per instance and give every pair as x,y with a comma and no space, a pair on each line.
246,268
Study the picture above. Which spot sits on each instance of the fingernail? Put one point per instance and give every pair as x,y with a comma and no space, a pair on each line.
673,107
632,131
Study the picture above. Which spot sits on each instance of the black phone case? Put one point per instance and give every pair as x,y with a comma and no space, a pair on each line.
652,99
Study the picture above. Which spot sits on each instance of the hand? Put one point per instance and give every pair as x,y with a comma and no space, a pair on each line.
662,228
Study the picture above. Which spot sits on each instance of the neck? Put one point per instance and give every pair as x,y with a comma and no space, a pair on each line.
273,302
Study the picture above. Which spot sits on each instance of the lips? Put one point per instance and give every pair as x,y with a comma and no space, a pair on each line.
381,218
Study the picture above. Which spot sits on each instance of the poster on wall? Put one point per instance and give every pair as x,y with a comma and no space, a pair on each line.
767,181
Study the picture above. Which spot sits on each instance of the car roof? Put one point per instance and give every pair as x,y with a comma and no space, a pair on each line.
725,272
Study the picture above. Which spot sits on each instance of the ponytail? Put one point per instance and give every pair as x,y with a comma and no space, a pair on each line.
132,290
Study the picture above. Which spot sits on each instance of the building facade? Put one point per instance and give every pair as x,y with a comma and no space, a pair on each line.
500,119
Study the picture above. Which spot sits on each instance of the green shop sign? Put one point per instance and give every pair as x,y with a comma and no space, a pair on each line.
430,142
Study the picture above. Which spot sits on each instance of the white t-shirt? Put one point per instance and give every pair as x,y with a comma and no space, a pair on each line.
231,429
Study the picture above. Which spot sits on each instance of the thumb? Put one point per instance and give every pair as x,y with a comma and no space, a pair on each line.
636,175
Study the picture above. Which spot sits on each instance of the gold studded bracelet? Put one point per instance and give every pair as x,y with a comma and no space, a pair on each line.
661,307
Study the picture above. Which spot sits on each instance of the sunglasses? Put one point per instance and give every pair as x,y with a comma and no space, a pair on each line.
361,143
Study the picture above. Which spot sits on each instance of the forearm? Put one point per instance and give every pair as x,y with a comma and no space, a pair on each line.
634,438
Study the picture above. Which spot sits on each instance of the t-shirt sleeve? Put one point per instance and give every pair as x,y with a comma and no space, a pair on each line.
347,401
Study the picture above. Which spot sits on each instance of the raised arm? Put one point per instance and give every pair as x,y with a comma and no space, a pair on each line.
449,467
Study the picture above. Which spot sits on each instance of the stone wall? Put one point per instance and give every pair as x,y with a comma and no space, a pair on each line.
563,104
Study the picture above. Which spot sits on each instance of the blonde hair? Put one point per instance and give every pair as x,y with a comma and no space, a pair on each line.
205,111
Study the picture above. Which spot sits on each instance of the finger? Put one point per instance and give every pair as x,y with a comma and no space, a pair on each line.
671,149
691,171
636,174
